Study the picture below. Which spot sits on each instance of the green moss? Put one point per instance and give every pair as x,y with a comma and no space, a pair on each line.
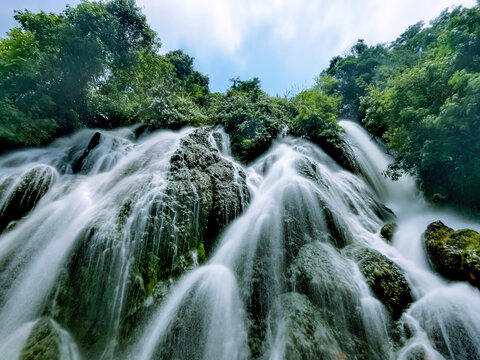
307,336
454,254
201,254
149,271
43,342
387,231
31,187
385,279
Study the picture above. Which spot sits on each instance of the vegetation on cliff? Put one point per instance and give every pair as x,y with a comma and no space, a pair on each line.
421,94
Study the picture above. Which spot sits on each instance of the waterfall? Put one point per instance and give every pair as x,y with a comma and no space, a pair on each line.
129,245
443,317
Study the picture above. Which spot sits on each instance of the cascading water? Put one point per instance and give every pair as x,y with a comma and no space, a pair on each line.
97,217
442,320
36,251
104,235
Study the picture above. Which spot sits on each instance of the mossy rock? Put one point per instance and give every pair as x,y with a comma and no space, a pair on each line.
322,274
342,154
306,336
202,181
141,313
454,254
27,192
44,342
387,231
204,192
385,279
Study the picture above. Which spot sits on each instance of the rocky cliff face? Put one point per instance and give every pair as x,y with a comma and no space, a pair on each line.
174,231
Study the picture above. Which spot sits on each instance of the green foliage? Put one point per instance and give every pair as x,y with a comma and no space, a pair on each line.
317,117
251,117
201,253
92,65
422,95
354,73
194,82
252,85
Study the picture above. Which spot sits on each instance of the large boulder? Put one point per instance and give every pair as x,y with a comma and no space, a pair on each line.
305,335
322,274
387,231
385,279
18,196
200,176
454,254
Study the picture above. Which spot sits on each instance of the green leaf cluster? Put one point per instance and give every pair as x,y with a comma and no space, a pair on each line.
421,94
98,65
253,119
95,65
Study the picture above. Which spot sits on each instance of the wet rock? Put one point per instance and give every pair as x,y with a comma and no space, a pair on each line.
418,352
454,254
387,231
386,280
383,212
21,196
47,341
336,146
143,130
206,183
204,193
344,156
94,141
306,336
319,271
141,312
43,342
446,321
326,278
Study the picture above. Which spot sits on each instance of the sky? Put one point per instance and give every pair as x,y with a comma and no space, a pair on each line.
285,43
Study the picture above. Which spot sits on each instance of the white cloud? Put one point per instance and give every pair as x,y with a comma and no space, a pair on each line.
202,26
299,36
209,27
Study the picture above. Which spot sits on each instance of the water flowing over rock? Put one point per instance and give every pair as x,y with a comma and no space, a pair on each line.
48,341
79,163
387,231
305,335
205,182
145,212
330,282
20,194
385,279
136,244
